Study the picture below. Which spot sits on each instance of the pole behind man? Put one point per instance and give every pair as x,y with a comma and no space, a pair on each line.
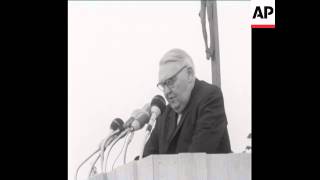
194,119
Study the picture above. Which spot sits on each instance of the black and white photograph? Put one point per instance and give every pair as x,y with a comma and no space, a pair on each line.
159,90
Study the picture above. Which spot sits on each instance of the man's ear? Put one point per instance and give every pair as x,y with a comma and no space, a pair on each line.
190,74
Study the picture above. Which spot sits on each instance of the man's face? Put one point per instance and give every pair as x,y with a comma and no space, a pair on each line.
176,89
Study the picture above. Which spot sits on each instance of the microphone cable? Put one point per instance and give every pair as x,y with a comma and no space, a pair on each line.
76,175
93,165
106,141
127,144
146,137
113,143
126,138
104,145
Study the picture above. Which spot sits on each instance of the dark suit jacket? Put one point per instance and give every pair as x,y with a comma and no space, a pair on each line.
202,128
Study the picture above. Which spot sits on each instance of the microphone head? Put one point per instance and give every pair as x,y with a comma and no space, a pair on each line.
117,124
147,108
141,119
131,119
136,112
160,102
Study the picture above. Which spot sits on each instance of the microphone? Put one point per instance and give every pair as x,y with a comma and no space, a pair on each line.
141,119
116,127
116,124
147,108
158,106
136,121
128,123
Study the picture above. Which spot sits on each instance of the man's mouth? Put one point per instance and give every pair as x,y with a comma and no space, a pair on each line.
171,99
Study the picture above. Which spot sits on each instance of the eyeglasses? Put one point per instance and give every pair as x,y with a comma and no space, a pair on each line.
170,81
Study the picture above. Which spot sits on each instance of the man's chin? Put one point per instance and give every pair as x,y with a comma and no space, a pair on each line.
175,108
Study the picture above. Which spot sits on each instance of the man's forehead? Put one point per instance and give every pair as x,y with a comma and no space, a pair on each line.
168,69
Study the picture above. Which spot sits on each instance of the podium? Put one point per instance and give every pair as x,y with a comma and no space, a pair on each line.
184,166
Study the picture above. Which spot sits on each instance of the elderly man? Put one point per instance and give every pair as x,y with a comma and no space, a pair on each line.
194,119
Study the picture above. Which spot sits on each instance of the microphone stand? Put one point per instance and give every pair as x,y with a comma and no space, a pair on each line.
147,135
76,175
113,143
127,144
103,146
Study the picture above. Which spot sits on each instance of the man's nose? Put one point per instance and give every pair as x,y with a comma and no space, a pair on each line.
166,90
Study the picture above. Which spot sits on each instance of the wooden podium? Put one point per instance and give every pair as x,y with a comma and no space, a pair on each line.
184,166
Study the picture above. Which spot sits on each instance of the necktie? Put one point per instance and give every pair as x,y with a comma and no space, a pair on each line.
178,119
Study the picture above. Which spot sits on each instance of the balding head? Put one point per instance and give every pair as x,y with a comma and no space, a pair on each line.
172,62
176,78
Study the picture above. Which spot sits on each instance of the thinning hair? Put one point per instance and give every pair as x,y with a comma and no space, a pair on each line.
177,56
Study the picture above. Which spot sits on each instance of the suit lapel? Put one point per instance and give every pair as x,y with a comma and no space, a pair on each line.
179,126
171,124
184,114
172,131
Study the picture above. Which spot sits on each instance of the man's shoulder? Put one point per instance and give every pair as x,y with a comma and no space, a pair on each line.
207,89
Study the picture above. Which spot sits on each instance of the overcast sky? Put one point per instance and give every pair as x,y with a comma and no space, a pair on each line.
113,54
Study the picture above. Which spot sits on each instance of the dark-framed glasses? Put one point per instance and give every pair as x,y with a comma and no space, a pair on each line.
170,81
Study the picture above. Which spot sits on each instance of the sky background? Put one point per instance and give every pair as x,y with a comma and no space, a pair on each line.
113,54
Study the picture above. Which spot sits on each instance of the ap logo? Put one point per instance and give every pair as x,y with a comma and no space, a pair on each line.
263,13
